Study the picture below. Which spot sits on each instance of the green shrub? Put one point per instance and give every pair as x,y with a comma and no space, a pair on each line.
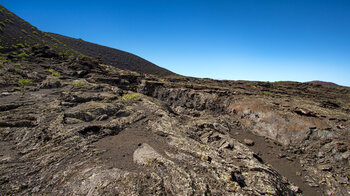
80,83
0,29
1,47
8,21
24,31
131,98
54,73
20,45
23,55
25,82
2,24
35,32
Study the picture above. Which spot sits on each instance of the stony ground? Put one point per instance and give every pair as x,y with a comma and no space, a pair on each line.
80,127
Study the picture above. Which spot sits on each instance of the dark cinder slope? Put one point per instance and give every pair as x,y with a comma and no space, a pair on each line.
17,33
118,58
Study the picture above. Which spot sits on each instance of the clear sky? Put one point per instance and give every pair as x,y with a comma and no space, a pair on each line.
266,40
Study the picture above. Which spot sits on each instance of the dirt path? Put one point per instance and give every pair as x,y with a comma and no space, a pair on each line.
119,149
273,153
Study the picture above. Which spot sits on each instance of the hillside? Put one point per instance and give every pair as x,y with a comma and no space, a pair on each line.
324,83
74,125
17,33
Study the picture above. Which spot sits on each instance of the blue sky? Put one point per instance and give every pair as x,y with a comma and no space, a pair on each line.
266,40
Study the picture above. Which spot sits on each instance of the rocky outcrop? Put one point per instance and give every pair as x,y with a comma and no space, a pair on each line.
108,131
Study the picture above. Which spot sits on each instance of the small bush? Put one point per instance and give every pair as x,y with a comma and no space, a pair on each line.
35,32
131,98
8,21
80,83
23,55
20,45
2,24
54,73
25,82
24,31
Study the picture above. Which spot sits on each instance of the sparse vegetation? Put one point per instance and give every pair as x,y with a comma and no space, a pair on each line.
54,73
80,83
24,31
131,98
81,56
36,33
9,21
25,82
23,55
2,24
20,45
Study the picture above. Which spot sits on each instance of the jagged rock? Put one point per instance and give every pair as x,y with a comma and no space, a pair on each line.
51,82
304,112
44,51
89,111
145,155
325,167
82,73
249,142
